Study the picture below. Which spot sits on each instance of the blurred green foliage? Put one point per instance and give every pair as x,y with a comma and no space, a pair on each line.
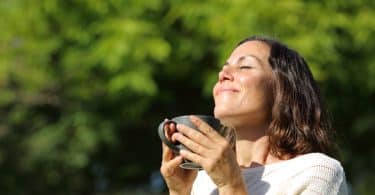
84,84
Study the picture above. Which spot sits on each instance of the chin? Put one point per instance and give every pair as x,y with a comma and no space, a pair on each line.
224,115
232,117
220,112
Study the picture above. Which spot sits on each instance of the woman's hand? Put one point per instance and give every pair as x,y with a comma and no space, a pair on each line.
178,180
214,153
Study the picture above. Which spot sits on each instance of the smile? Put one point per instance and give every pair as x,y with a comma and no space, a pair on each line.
226,90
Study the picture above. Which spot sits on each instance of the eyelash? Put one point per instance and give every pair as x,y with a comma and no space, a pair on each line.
246,67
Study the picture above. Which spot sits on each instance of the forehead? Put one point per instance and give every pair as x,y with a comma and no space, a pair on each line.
253,48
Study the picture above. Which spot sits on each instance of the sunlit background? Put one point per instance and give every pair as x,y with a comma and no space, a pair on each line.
85,83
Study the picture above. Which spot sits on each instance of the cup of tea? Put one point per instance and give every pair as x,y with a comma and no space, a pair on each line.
215,124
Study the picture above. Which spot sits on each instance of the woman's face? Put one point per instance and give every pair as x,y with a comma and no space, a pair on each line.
243,93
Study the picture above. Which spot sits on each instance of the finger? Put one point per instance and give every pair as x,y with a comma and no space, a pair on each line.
205,128
173,129
196,158
193,146
194,135
168,168
169,129
167,153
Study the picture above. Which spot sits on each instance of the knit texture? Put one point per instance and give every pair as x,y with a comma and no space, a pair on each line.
313,173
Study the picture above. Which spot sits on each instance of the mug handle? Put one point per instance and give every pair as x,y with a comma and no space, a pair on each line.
165,139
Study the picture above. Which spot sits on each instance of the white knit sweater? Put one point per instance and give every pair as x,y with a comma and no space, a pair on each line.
313,173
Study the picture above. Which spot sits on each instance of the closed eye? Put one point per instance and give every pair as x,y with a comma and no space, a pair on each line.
245,67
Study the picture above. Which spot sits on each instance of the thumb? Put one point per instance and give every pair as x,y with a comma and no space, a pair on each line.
169,167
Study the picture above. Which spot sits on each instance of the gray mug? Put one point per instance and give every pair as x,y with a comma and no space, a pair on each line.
215,123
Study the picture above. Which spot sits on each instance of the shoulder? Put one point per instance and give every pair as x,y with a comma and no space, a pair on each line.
321,162
318,163
321,173
320,166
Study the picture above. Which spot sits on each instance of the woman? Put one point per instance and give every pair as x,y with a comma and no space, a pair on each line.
267,93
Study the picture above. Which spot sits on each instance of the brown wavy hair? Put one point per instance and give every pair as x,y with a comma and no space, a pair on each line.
300,123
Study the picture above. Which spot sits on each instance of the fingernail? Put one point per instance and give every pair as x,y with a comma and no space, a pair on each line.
174,136
182,151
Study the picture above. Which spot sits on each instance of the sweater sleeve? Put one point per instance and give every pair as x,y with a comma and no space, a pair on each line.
325,178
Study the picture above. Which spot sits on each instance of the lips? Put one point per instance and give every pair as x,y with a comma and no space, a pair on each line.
225,89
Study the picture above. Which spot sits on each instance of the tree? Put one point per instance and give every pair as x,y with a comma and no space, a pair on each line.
84,83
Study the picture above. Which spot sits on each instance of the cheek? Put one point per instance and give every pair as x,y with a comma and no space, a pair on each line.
257,91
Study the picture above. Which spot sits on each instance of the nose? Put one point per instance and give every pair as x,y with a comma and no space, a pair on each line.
225,74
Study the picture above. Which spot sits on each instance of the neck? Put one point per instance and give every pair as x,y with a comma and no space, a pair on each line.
252,147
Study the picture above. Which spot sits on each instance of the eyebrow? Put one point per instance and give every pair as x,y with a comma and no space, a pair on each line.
243,57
